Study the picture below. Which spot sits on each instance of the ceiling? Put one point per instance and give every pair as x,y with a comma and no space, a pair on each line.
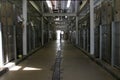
60,6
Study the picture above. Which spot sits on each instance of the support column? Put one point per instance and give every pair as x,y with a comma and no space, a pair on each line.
76,9
42,26
25,27
42,39
113,44
100,43
1,48
113,37
49,33
92,25
76,30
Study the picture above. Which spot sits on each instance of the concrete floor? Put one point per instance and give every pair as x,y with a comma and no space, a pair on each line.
75,65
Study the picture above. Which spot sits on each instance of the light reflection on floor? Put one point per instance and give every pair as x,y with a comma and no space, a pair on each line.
16,68
13,67
31,69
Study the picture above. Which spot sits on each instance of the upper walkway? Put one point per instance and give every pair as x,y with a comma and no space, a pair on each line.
75,65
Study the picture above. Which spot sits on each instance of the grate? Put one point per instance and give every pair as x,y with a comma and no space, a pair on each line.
56,70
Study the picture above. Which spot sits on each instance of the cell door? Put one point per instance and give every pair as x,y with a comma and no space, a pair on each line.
7,31
19,39
106,43
19,32
116,44
97,42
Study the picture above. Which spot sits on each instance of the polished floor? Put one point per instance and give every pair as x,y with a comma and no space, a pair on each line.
75,65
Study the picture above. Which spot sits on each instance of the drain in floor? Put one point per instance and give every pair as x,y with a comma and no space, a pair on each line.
57,66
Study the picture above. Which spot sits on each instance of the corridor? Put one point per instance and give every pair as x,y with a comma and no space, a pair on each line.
75,65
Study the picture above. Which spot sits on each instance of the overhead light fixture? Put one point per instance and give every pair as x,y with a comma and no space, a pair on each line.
49,3
34,5
68,3
55,4
57,19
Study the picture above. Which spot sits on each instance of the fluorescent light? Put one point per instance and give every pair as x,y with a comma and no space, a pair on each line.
34,5
68,3
57,19
83,4
65,16
49,3
55,4
31,23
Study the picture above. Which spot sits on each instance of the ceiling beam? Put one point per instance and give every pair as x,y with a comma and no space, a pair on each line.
59,14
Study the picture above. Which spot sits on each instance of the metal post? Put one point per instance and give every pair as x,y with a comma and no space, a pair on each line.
113,36
76,6
34,45
92,27
87,40
100,43
25,27
84,39
49,31
1,48
113,44
14,30
42,26
76,30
